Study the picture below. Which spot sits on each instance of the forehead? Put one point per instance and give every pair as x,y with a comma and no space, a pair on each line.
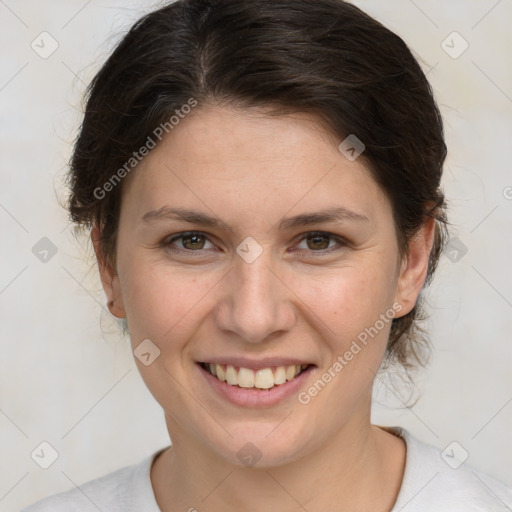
252,161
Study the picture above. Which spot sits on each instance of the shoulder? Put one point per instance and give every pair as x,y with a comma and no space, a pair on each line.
435,480
126,489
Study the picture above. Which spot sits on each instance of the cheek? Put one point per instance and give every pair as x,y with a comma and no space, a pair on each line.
162,302
350,298
355,305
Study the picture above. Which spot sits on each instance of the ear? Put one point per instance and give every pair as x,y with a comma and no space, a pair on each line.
413,271
109,277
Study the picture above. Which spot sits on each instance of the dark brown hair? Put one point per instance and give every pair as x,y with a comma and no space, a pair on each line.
321,56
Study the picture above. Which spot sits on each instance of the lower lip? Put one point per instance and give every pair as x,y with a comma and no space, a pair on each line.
252,397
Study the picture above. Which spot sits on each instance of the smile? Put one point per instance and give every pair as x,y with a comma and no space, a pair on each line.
264,378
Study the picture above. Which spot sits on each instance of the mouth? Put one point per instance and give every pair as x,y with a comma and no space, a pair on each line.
262,379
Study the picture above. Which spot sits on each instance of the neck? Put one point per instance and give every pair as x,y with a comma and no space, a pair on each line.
361,468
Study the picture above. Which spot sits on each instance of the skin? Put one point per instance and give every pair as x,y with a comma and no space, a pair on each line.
298,299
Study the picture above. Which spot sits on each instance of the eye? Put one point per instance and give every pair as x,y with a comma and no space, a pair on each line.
190,241
319,241
195,241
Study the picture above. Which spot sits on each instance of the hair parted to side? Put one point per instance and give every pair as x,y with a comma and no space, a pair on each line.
321,56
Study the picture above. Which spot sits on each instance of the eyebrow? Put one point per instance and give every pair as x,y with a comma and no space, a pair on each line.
304,219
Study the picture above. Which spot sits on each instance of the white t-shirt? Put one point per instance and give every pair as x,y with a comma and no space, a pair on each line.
429,484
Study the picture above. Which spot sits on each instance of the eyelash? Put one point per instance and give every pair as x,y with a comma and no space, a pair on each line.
341,243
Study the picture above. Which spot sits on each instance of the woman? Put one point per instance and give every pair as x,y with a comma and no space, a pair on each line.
261,181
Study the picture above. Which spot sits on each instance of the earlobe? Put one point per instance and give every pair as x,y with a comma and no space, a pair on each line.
413,271
109,277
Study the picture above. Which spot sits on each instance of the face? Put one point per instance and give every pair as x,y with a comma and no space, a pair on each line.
290,262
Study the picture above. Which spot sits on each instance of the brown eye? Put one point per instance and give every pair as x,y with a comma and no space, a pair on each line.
193,241
189,241
320,242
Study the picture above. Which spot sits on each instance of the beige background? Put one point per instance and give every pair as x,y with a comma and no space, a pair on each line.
65,375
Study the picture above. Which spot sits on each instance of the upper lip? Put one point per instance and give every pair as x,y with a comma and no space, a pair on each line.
256,364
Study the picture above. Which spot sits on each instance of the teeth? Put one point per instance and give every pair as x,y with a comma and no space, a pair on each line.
231,375
264,378
219,370
280,375
291,371
245,378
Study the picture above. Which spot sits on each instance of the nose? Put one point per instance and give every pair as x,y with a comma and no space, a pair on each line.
256,305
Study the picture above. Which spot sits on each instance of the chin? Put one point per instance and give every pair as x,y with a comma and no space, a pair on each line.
263,444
